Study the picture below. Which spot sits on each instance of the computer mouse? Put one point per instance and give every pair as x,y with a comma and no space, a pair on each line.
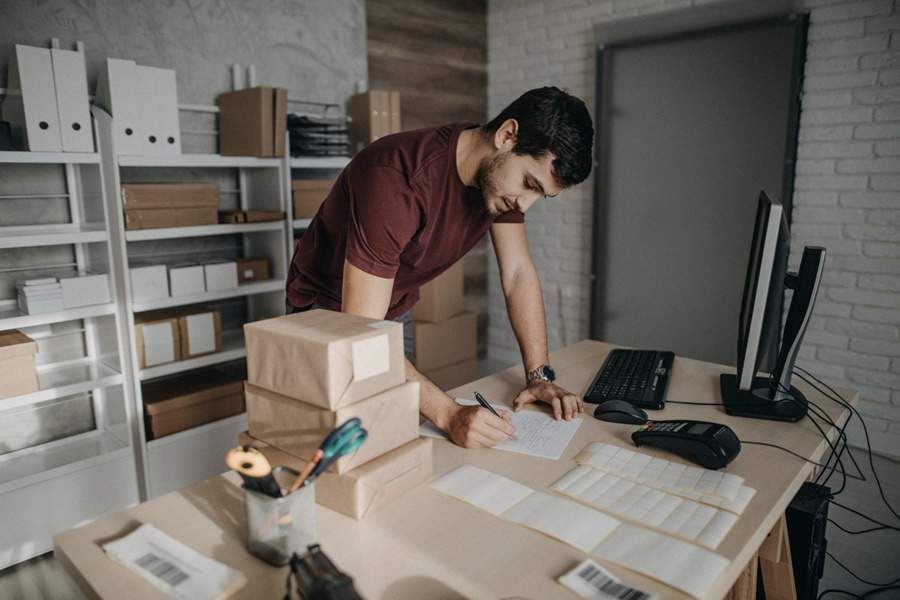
620,411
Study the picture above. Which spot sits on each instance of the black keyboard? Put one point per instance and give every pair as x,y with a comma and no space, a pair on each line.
637,376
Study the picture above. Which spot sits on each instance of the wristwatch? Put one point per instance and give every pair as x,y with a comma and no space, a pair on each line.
543,373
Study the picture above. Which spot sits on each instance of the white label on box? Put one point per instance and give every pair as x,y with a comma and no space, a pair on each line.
186,281
248,273
159,343
201,332
149,283
371,357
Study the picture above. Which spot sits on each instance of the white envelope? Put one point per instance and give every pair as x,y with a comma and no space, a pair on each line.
30,104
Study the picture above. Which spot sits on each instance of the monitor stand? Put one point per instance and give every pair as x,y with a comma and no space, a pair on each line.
774,397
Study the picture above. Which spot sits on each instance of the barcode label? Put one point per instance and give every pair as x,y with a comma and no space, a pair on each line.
590,580
162,569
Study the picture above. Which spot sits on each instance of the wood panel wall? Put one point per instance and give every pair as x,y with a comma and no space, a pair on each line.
434,52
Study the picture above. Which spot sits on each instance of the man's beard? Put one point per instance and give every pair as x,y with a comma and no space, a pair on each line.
487,176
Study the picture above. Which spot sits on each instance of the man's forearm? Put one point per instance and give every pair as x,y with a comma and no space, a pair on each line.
525,306
434,404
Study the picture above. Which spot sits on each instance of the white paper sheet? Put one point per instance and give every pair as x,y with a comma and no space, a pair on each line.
371,356
563,519
590,580
484,489
175,569
537,433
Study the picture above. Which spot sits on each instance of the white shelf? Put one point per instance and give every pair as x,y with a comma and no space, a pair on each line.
58,381
50,158
14,319
136,235
232,349
199,160
61,457
301,223
319,162
248,289
51,235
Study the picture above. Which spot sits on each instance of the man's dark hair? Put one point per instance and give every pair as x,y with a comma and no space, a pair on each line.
552,121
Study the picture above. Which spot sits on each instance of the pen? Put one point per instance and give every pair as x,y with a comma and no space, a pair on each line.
485,404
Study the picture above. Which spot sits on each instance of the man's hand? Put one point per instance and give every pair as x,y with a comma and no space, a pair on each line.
564,404
476,427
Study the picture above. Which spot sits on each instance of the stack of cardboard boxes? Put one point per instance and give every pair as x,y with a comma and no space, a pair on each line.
310,372
446,337
155,205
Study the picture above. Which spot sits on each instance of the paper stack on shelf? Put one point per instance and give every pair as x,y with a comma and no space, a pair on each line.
37,296
320,136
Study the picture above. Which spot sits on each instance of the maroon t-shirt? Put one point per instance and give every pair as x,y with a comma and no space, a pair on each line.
398,210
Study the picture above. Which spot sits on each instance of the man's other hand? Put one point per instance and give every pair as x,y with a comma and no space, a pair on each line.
476,427
565,405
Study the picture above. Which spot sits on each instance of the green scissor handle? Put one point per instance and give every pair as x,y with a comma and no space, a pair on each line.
341,441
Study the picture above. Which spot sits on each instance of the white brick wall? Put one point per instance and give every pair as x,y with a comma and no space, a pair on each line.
847,192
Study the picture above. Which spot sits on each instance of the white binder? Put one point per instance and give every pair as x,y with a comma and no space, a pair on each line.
117,93
30,104
159,100
70,79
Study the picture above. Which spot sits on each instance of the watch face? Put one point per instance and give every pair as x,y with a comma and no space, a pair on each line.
548,372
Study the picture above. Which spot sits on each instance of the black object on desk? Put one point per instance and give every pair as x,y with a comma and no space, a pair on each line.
318,578
620,411
637,376
710,445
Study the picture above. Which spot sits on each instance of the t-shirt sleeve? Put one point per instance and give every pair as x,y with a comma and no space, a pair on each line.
383,217
513,216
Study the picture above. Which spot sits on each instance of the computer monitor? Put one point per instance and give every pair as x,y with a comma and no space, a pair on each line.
761,342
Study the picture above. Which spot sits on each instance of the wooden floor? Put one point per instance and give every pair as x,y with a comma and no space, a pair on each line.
872,556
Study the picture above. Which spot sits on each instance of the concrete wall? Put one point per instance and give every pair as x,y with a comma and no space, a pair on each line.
847,192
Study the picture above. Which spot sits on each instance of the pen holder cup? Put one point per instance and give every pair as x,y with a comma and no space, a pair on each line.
278,527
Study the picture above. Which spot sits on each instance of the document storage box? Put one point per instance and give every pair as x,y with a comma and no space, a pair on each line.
442,297
325,358
451,376
158,340
253,122
70,81
200,332
366,489
186,279
180,403
169,195
375,113
250,270
445,343
220,275
85,290
158,218
30,103
391,418
308,195
149,282
17,364
118,93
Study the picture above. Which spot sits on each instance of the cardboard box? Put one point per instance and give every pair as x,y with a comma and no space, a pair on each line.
250,270
180,403
250,216
17,364
220,275
363,491
252,122
149,283
200,332
442,297
325,358
186,279
375,113
391,418
158,340
85,290
157,218
308,195
445,343
169,195
454,375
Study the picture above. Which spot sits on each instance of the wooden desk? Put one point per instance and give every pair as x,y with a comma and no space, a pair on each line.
428,545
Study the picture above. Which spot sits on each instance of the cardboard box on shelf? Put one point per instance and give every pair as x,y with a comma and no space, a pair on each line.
454,375
442,297
366,489
252,122
17,364
374,114
391,418
200,332
179,403
157,338
157,218
85,290
445,343
220,275
145,196
325,358
250,216
149,282
308,195
250,270
186,279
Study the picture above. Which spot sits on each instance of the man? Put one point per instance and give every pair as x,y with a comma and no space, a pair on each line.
411,204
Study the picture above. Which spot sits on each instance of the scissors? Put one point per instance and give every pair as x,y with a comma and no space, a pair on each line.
255,470
342,441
